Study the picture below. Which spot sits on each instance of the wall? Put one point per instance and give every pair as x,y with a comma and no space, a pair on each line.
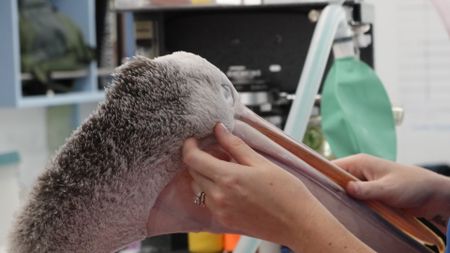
35,133
23,130
412,57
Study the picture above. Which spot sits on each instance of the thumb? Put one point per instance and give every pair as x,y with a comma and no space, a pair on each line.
366,190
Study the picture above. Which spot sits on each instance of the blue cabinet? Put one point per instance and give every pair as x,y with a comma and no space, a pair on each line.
85,88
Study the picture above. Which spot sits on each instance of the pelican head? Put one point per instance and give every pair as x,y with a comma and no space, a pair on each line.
97,193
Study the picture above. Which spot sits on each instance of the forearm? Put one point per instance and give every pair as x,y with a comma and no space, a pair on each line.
320,231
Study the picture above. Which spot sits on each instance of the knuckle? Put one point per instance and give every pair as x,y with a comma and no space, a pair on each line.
219,199
230,182
362,157
189,157
355,161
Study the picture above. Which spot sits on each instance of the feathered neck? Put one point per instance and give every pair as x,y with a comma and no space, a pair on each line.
92,197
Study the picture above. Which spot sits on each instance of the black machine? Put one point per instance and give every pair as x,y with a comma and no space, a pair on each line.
262,48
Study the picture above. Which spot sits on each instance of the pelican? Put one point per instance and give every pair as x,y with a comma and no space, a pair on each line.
119,178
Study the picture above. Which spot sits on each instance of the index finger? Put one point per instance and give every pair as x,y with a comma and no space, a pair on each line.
237,148
204,163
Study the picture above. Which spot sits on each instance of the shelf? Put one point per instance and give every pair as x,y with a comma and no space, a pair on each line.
105,71
58,75
136,6
59,99
85,87
130,5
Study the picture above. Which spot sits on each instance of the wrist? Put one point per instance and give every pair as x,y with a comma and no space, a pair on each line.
303,225
321,226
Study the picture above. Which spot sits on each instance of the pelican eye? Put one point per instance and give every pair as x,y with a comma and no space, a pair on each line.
227,93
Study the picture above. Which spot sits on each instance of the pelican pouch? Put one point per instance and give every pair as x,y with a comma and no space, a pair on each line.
49,41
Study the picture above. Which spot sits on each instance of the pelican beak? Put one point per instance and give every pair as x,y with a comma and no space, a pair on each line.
304,162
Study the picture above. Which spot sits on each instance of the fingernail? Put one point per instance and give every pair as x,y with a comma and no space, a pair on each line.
224,128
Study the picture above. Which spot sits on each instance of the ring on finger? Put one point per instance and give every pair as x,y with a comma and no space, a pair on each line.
200,199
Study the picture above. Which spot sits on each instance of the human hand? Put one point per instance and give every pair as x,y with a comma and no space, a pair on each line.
254,196
260,199
418,191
